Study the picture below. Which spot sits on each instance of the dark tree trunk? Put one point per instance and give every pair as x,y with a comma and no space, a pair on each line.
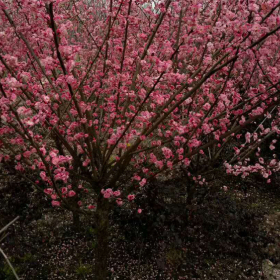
102,239
191,192
76,220
189,203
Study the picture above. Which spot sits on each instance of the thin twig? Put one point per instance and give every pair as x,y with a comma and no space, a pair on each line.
2,252
9,263
10,223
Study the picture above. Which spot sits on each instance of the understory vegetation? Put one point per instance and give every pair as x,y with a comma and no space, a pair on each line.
223,234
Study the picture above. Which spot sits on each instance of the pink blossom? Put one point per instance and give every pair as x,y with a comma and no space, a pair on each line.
257,111
64,190
131,197
248,136
271,147
159,164
46,98
107,193
167,152
119,202
43,175
169,164
55,160
187,162
55,203
111,141
53,153
143,182
48,191
206,106
136,177
61,174
12,82
194,143
71,193
117,193
153,158
180,151
254,7
18,157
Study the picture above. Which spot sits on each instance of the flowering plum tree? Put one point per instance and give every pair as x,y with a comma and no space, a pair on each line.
93,89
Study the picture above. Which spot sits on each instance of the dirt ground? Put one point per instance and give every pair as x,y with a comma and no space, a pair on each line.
229,231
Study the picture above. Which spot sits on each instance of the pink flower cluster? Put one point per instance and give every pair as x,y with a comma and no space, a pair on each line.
110,193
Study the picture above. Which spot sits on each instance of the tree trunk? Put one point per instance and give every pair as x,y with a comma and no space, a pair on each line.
76,220
189,203
102,239
191,192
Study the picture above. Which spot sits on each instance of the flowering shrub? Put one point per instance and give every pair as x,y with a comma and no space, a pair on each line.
92,88
85,95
